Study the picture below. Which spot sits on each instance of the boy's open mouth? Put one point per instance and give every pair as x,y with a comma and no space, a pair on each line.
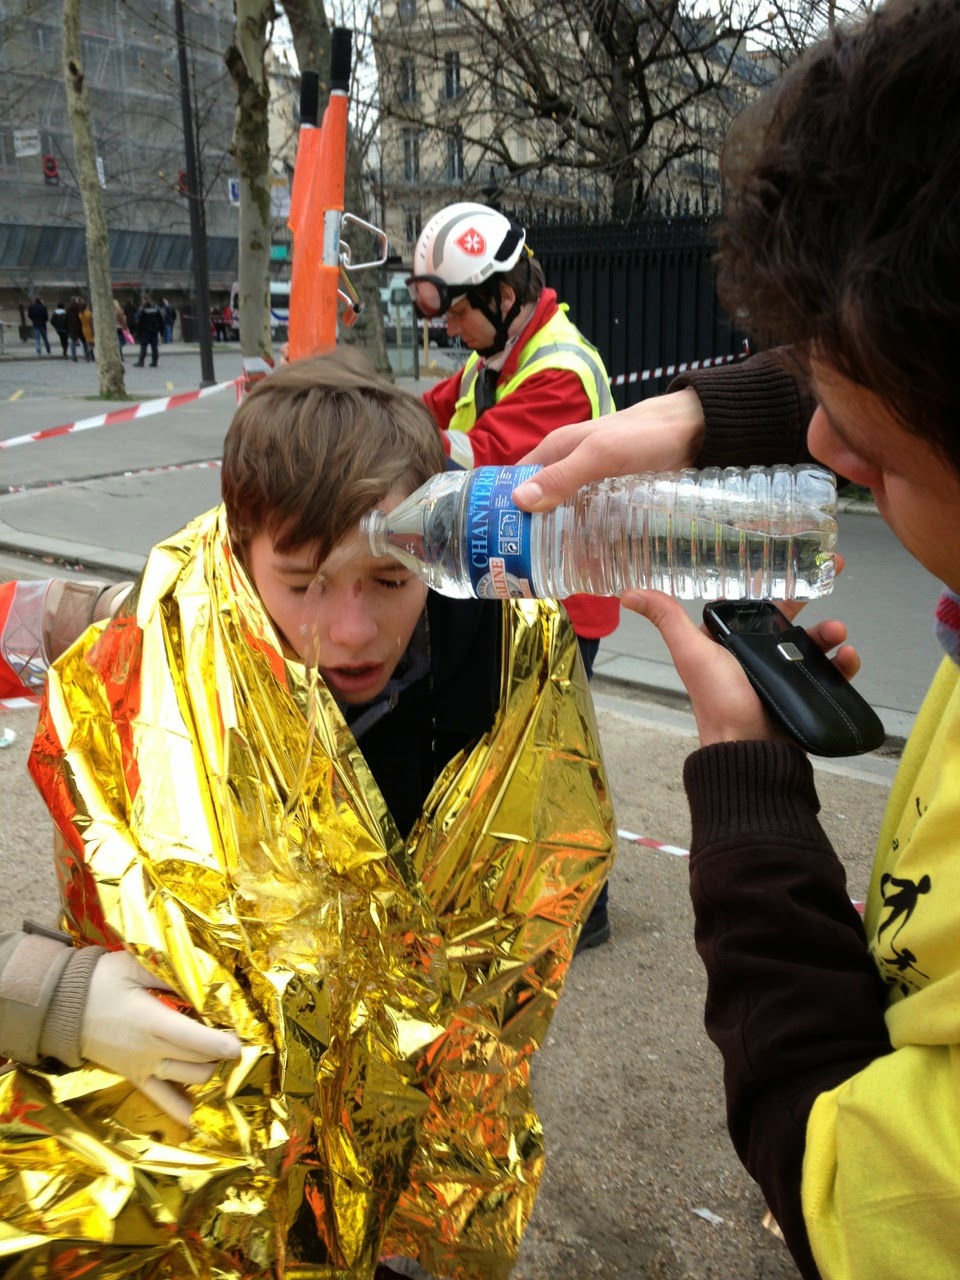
356,678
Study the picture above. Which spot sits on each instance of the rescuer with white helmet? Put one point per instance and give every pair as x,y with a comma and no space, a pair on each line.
530,371
461,252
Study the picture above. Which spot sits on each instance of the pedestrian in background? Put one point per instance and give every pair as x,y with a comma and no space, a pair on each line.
120,320
75,329
86,324
130,311
149,326
59,322
38,316
169,315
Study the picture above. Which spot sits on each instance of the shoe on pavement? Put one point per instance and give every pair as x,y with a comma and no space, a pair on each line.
596,929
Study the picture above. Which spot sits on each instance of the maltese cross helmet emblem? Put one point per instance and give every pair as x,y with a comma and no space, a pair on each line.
472,242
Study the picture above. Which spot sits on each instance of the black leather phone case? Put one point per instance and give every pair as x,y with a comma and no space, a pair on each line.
802,689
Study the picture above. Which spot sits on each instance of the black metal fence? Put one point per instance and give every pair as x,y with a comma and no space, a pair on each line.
645,295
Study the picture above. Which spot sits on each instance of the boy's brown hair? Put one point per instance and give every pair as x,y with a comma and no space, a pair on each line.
841,229
318,443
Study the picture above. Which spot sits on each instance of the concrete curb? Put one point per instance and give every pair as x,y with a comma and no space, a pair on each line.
897,724
173,349
857,506
52,551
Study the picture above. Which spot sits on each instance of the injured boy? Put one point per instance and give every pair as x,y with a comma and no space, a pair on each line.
324,844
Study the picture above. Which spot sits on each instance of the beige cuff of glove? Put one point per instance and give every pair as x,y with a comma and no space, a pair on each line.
72,606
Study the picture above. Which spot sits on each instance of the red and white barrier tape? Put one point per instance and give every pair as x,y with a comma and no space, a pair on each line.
145,410
658,847
647,843
667,371
256,368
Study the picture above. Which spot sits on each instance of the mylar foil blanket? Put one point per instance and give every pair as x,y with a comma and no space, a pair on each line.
389,994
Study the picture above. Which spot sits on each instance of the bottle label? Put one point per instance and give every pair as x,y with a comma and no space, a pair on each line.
498,534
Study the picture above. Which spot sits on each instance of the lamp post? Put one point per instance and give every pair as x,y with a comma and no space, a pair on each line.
198,232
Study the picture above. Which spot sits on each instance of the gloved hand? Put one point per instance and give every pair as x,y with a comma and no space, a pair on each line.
130,1032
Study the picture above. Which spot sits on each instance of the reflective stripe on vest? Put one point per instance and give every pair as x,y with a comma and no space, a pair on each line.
557,345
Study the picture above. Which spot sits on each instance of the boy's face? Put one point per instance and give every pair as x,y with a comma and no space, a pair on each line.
353,617
917,491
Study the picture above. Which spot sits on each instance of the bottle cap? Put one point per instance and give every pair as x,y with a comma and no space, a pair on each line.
373,527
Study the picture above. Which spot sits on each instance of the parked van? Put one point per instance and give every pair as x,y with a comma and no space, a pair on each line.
279,308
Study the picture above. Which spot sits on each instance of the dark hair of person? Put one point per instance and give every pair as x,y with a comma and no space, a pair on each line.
315,445
525,278
841,228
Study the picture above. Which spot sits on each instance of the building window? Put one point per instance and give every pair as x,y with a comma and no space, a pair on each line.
407,80
411,225
411,155
451,4
455,156
44,38
451,74
407,8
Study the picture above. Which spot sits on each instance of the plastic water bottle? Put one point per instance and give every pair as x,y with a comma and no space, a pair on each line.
755,533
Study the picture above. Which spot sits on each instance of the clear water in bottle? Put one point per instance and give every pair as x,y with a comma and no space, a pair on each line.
754,533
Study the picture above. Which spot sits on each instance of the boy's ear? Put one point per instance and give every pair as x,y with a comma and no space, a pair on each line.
508,297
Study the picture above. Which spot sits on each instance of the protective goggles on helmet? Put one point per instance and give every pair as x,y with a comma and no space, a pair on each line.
432,296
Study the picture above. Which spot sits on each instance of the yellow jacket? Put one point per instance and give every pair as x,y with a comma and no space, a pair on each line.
881,1175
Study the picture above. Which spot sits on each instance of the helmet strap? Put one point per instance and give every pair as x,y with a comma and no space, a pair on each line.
488,301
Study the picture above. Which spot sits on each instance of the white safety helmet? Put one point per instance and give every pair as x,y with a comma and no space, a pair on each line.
460,248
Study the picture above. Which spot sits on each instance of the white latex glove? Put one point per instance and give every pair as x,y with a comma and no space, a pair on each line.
130,1032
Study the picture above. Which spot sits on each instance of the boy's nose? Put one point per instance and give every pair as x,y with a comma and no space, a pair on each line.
352,625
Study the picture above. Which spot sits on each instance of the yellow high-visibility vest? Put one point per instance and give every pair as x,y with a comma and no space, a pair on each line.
558,344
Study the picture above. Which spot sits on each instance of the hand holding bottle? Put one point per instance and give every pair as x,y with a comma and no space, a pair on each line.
660,434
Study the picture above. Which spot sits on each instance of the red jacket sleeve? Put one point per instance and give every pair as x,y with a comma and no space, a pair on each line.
520,421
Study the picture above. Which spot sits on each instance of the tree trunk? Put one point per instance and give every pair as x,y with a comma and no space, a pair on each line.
109,364
251,148
311,41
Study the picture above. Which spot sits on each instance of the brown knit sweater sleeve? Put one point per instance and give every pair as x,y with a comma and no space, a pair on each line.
794,1002
756,412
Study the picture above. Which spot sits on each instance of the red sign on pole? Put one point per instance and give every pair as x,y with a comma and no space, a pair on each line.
51,171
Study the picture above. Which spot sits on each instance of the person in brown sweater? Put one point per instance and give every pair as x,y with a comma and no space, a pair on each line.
840,1037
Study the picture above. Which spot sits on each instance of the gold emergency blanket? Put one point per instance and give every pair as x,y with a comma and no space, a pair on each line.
389,994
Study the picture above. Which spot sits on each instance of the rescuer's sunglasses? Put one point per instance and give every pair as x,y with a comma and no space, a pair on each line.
432,296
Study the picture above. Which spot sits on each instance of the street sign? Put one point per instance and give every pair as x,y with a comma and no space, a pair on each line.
26,142
51,171
101,175
233,190
279,252
279,198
